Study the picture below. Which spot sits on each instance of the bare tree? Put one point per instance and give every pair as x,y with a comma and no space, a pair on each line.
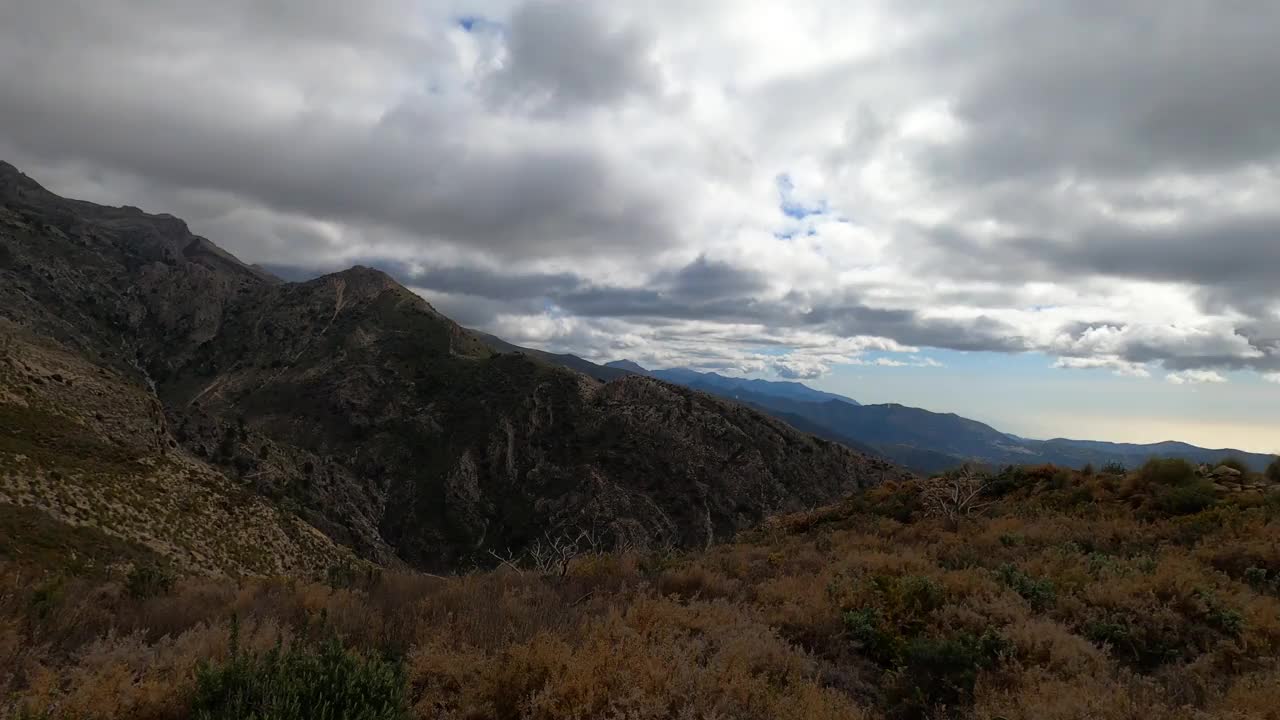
509,559
956,496
550,554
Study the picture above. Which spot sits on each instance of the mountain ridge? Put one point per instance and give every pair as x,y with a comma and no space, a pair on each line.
929,441
352,406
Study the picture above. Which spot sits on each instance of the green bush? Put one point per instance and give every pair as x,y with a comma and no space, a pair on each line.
1131,641
1039,593
148,580
1009,479
1273,471
1186,499
1011,539
924,673
941,672
1219,616
1168,472
868,629
1148,640
300,684
901,503
903,605
1260,579
1114,467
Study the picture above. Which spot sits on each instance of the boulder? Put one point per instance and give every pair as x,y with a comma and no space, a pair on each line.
1222,471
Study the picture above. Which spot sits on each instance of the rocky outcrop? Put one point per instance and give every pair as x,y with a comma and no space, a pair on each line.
354,404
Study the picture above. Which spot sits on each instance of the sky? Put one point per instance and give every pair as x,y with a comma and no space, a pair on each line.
1058,217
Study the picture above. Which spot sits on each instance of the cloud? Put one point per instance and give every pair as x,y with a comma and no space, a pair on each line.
707,184
909,361
1177,346
1113,363
563,56
1272,377
1194,377
800,369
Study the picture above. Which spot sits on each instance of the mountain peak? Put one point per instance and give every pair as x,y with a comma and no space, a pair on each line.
628,365
11,178
362,276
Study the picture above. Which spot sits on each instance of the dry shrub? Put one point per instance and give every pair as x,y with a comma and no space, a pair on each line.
862,609
696,581
1043,696
657,659
1256,695
1052,647
129,677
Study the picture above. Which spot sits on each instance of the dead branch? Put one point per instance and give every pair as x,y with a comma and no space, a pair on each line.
955,497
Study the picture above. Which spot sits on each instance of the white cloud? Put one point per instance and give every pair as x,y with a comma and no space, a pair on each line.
599,150
1109,362
800,368
1272,377
1195,377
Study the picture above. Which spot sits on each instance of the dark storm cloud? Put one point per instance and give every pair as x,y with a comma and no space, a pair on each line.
1238,250
703,290
911,328
417,169
520,203
332,131
564,56
1109,89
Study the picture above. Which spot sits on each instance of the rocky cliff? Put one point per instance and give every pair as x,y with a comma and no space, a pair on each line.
349,405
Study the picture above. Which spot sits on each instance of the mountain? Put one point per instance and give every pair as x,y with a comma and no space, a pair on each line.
773,388
161,392
718,384
722,384
627,366
923,440
603,373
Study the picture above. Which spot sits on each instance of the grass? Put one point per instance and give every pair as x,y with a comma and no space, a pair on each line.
29,536
1070,596
56,441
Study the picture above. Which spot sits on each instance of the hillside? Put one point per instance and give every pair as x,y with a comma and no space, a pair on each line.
1063,596
927,441
351,406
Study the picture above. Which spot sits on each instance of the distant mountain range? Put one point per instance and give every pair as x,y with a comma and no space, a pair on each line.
720,384
919,439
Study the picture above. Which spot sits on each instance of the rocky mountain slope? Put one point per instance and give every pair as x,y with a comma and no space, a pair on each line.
348,405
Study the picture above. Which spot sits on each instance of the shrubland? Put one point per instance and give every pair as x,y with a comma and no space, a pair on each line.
1053,594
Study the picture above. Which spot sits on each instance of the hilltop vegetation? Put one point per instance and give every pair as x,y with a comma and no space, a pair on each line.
1053,594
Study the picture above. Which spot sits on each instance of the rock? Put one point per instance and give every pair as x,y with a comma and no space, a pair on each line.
1224,471
1221,488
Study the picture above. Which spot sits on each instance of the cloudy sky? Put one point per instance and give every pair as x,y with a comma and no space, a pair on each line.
1058,217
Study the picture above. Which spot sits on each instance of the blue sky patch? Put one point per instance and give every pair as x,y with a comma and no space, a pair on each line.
790,206
475,23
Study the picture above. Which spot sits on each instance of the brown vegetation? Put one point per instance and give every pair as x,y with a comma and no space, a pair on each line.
1069,596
